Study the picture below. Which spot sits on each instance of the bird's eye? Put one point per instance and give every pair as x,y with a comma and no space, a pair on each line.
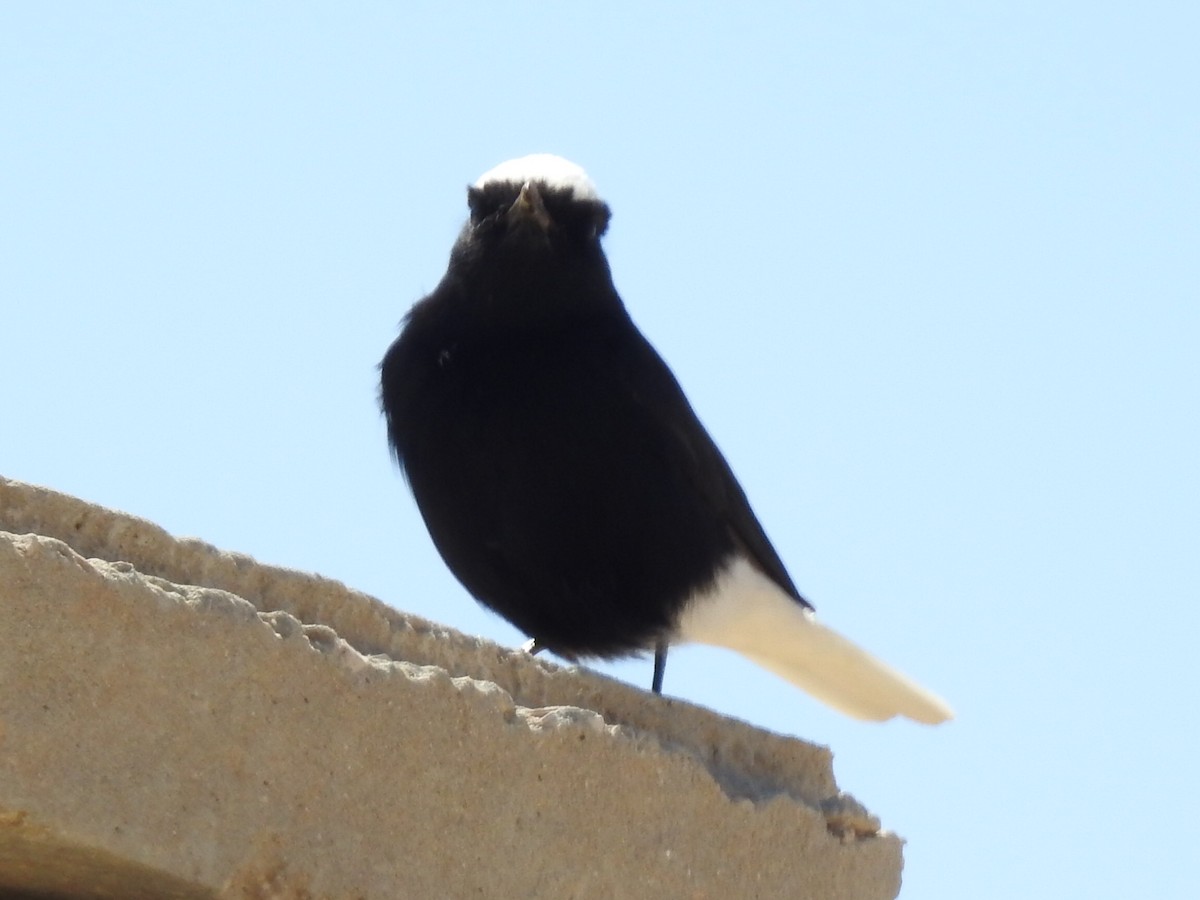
480,206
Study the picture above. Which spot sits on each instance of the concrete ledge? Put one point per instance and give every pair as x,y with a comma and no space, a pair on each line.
180,722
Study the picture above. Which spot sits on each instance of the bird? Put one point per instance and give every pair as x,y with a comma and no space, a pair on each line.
564,477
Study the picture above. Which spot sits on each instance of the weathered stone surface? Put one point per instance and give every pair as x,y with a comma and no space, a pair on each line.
180,722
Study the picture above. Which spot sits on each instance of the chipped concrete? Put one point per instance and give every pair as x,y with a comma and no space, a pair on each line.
182,722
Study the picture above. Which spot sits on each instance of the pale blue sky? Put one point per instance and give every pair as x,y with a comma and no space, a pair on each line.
929,275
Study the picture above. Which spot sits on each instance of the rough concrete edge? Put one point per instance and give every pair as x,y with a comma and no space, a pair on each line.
329,644
746,762
263,878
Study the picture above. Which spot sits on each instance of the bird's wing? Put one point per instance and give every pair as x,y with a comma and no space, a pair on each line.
654,387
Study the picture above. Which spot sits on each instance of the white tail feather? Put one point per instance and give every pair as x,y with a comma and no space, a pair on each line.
748,613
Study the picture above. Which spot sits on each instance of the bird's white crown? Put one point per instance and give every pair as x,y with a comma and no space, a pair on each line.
553,171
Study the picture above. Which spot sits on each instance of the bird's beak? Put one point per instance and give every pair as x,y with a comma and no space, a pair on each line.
529,205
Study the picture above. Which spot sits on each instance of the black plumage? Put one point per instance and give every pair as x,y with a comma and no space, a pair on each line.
560,470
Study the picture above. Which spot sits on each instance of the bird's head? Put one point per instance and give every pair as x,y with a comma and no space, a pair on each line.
534,206
530,251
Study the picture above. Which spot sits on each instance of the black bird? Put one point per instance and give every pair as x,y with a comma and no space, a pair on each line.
562,473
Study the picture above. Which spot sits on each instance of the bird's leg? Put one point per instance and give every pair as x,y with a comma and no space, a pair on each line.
660,666
532,647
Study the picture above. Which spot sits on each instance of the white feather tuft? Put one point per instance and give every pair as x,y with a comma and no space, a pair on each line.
748,613
552,171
